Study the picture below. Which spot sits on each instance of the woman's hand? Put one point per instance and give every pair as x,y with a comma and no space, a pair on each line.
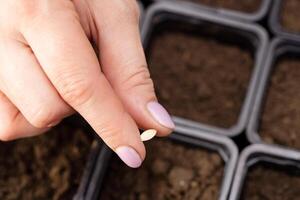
49,70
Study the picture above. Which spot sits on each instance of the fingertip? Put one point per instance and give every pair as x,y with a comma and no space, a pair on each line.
161,116
148,113
132,152
165,132
129,156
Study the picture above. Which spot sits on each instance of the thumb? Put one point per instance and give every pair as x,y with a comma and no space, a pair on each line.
124,64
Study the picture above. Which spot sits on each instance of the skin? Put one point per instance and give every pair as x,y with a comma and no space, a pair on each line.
49,69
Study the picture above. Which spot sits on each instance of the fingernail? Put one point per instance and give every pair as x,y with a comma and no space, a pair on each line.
129,156
160,114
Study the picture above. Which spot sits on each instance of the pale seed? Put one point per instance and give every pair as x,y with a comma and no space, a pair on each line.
148,135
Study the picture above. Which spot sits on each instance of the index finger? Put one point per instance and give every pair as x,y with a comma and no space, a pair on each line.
68,59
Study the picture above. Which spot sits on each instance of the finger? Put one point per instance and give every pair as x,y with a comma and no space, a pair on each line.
25,84
13,124
68,59
124,64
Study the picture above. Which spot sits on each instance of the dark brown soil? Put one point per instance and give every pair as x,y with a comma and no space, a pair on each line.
199,77
281,113
290,15
45,167
170,171
265,183
249,6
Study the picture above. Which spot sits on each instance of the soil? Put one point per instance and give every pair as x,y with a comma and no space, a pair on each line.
290,15
281,113
248,6
198,76
170,171
264,182
49,166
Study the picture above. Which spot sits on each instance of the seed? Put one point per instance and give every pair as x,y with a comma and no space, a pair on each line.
148,135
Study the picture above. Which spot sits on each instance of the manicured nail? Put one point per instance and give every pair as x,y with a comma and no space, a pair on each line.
160,114
129,156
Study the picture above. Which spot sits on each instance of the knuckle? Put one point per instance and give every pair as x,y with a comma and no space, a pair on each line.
130,10
35,13
24,10
34,8
44,117
111,130
6,132
138,80
27,8
75,89
135,9
110,135
5,137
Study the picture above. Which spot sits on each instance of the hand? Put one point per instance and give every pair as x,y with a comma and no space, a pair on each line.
49,70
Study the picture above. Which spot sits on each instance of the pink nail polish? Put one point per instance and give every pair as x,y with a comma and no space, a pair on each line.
129,156
160,114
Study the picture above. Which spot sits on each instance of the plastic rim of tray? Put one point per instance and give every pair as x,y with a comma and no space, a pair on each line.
220,144
256,153
254,34
278,47
258,15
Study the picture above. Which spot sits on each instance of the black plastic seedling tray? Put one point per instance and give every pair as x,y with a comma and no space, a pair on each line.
279,47
261,154
274,22
88,171
96,145
252,35
220,144
234,14
142,9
